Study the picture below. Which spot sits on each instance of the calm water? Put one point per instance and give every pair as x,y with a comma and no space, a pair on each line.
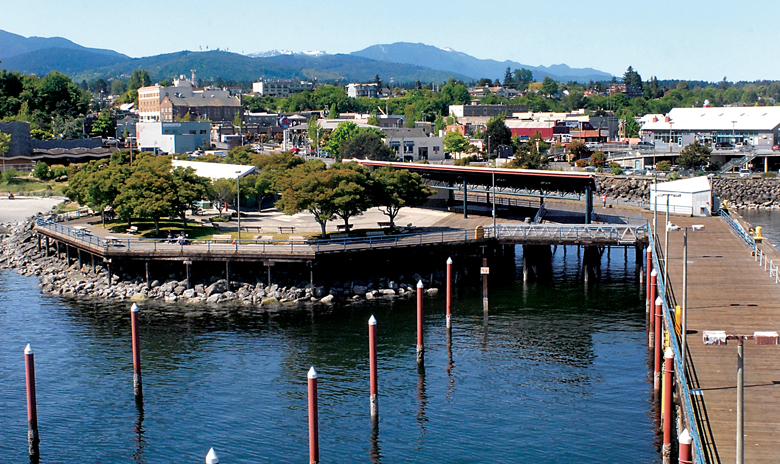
769,220
554,374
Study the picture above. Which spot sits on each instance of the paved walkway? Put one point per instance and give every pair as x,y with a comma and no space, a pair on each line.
727,290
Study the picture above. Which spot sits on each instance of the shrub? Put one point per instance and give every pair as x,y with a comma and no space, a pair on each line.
218,219
766,175
581,163
616,170
664,165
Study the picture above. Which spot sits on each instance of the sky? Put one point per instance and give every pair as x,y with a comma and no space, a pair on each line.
682,39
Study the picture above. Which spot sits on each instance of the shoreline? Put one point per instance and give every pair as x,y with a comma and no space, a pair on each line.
18,250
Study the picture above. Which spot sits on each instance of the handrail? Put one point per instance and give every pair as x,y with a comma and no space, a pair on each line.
693,424
737,228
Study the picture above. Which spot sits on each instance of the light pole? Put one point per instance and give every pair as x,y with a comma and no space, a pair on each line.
666,226
733,137
238,203
720,337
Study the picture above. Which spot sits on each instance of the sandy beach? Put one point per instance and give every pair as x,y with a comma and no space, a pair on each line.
21,207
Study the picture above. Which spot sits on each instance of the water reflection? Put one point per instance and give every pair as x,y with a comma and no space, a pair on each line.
138,430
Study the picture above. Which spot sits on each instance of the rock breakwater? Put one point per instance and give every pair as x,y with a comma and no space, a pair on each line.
19,251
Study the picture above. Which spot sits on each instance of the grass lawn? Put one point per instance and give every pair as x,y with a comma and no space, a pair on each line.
146,228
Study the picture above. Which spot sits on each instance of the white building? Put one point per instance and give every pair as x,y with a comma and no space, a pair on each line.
150,99
693,197
282,88
362,90
172,137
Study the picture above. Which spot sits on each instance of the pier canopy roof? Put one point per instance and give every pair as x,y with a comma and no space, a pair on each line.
520,179
216,171
757,118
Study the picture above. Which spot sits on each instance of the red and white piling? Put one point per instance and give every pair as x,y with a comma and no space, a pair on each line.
648,270
32,406
658,345
314,433
137,382
211,457
449,293
372,367
652,295
666,410
685,454
420,322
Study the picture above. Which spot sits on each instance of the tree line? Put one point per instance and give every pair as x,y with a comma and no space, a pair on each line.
151,188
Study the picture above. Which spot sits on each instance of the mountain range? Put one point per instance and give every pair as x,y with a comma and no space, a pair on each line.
405,62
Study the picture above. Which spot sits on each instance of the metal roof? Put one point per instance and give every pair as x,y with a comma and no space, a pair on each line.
216,171
759,118
529,179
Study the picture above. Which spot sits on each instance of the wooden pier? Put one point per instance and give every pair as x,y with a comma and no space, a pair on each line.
728,290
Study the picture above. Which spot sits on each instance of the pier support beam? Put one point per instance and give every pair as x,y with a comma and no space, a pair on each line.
187,273
591,263
47,246
93,262
465,199
227,273
67,254
79,253
588,204
146,268
311,274
268,268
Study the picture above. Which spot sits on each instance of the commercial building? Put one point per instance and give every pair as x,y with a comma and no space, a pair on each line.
167,104
282,88
757,127
362,90
413,145
173,137
460,111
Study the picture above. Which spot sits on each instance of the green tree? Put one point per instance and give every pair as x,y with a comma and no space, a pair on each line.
102,125
549,86
149,192
694,155
454,142
140,78
373,120
188,188
497,132
222,192
664,166
41,170
598,159
439,124
508,81
351,190
5,143
314,131
344,131
632,77
579,150
366,145
394,189
522,77
308,189
532,154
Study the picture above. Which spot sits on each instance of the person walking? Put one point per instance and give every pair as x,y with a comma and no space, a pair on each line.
604,201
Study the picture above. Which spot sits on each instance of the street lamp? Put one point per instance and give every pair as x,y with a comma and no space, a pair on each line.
733,138
720,337
666,235
238,203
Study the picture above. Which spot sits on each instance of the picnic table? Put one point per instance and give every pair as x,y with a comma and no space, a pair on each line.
286,229
384,225
343,227
81,231
113,241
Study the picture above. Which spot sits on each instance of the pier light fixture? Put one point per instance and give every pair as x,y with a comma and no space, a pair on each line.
720,337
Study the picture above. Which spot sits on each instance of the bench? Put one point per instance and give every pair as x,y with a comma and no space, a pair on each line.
286,230
132,230
298,238
264,238
251,228
384,225
375,233
338,235
343,227
225,237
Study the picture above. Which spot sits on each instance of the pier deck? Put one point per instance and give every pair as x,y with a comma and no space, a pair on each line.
727,290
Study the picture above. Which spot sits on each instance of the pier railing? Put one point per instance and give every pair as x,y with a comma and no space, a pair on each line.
691,420
618,234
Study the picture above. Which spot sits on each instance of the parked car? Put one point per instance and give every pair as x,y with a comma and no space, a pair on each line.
722,145
775,147
744,172
644,144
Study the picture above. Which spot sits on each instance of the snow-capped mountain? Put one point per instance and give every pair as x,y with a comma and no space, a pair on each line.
271,53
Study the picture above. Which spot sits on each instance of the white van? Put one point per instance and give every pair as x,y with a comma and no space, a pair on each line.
744,172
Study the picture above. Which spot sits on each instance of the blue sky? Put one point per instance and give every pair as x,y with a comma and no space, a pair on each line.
683,39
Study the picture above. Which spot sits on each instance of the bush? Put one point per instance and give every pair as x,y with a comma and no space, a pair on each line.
616,170
235,215
58,170
581,163
465,161
10,175
664,166
41,170
766,175
218,219
674,176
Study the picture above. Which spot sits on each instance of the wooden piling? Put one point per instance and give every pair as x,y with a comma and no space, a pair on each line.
485,271
651,312
685,454
666,410
449,293
32,407
374,399
420,321
314,439
658,345
137,381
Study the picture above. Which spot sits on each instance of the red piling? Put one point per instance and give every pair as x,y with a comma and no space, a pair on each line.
449,293
314,435
420,321
658,344
685,455
653,292
649,269
32,407
212,457
137,382
666,410
372,367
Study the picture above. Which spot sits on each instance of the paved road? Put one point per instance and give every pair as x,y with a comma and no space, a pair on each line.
21,207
